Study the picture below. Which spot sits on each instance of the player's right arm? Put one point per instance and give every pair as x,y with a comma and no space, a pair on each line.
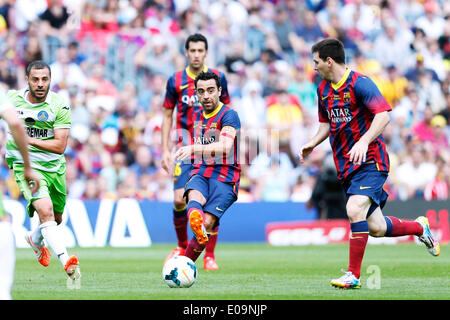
18,132
318,138
170,102
166,158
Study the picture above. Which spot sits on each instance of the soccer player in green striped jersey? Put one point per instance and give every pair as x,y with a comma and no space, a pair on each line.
7,255
47,120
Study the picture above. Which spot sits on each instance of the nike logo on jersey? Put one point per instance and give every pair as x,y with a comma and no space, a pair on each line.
66,108
184,87
323,98
362,188
218,209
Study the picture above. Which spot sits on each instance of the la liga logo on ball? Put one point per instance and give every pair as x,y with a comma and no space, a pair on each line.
179,272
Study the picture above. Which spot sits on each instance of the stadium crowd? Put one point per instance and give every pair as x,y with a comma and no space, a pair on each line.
111,59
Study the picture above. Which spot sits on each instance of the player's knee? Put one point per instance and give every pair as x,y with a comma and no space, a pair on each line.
357,208
376,231
179,204
354,212
46,213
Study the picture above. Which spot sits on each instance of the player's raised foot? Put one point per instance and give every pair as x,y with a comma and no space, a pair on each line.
209,263
178,251
196,223
347,281
72,267
427,238
42,253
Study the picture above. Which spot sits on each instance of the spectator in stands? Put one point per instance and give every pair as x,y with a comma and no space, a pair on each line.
156,56
439,141
412,74
430,91
393,86
143,162
32,50
397,39
26,11
433,59
75,55
116,172
252,106
431,23
92,157
66,73
438,189
423,129
53,19
283,112
100,84
305,90
308,29
284,30
7,76
413,175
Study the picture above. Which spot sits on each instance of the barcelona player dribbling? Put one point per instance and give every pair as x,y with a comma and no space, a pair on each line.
353,114
214,181
180,95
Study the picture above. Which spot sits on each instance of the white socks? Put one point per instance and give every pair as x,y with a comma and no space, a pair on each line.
7,259
50,232
36,237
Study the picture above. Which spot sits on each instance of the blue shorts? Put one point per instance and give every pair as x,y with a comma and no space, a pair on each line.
368,181
219,195
181,172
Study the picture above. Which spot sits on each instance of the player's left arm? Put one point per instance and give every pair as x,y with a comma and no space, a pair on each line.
56,145
371,97
223,146
359,150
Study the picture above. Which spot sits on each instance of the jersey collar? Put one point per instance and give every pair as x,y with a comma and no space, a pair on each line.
342,81
193,76
212,114
24,92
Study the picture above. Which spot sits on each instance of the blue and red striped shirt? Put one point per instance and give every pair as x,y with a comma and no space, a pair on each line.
207,127
349,107
180,94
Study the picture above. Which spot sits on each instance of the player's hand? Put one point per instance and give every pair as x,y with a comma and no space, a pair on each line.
32,179
305,150
358,152
166,161
183,153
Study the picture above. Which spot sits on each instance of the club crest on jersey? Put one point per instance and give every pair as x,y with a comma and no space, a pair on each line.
346,97
42,115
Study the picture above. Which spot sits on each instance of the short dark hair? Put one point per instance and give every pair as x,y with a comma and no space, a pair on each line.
196,37
204,76
37,64
330,47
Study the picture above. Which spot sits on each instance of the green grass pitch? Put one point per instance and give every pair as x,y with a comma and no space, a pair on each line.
247,272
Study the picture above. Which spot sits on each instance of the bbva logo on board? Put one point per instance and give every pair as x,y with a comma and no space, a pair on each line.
123,227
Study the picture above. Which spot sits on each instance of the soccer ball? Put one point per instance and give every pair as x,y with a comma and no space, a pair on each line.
179,272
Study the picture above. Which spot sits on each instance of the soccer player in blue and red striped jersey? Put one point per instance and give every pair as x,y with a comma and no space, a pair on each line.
353,114
214,182
180,95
